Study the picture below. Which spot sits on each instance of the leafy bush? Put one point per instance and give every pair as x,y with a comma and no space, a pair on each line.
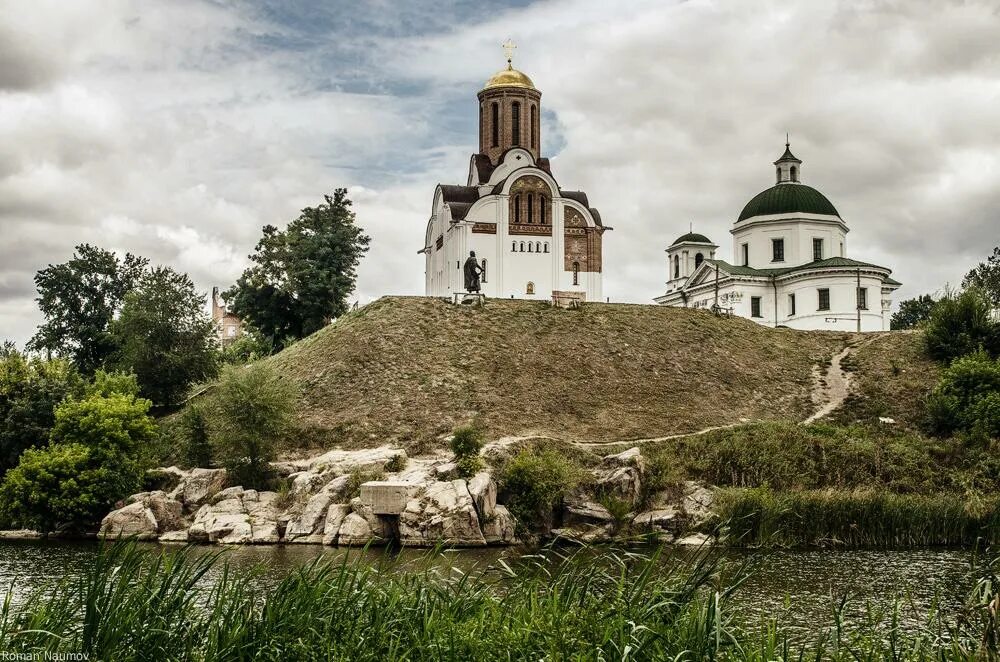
967,398
197,446
960,324
95,457
466,443
30,390
255,409
534,483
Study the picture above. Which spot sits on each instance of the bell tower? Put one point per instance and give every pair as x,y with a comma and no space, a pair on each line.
788,168
510,112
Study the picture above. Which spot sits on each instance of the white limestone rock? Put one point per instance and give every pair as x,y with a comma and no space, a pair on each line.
179,536
484,494
311,520
134,519
443,513
579,509
344,462
664,523
697,502
198,486
335,516
694,540
499,528
249,517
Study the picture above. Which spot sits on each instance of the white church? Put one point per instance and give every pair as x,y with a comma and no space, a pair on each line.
790,268
532,239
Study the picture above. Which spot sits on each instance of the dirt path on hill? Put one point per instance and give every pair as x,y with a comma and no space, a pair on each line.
830,389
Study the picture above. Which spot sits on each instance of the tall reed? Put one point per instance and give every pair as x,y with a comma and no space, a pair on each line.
861,518
582,605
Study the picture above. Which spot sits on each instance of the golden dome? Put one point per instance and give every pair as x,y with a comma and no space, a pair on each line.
509,77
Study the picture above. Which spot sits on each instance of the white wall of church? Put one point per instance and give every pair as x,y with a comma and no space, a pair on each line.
798,235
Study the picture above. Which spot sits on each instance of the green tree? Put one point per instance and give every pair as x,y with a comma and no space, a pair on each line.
254,408
164,336
95,457
249,347
79,299
197,445
30,390
962,323
986,276
967,397
301,276
912,313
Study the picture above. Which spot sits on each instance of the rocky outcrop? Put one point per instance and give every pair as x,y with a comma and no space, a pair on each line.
145,516
499,528
441,513
361,526
238,517
198,486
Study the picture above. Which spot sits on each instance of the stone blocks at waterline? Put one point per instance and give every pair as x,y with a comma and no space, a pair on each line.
385,497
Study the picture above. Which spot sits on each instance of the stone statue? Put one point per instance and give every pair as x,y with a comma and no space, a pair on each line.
472,273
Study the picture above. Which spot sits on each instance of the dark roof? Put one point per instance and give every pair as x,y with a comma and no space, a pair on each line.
830,262
543,164
597,216
579,196
786,199
484,167
459,210
891,281
692,236
787,156
452,193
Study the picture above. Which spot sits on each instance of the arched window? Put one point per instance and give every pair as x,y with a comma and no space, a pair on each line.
677,266
531,208
795,173
515,123
546,247
483,275
530,288
698,259
517,209
530,247
522,246
541,209
495,117
534,127
513,247
777,173
576,273
538,247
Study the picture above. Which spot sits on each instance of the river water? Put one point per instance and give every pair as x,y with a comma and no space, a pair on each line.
800,588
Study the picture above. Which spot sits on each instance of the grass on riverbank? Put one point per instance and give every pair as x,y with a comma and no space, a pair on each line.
857,519
788,456
134,605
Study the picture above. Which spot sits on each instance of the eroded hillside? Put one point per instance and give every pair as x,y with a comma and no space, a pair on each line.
406,370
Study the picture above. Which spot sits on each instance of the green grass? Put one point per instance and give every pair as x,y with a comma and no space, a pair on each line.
874,519
788,456
131,605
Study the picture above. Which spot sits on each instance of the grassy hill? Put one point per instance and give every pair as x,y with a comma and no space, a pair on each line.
407,370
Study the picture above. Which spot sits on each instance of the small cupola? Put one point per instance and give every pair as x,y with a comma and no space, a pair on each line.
788,168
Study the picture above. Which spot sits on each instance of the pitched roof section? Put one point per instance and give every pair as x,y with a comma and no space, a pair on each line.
786,199
787,156
459,199
830,262
579,196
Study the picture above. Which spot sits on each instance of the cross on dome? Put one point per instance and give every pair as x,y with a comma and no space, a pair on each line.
508,48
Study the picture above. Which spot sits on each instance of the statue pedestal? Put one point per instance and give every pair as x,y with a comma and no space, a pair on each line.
568,299
469,298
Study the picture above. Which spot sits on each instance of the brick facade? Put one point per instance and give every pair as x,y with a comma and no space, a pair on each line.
529,122
582,244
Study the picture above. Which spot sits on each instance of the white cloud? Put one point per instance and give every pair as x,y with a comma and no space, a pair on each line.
176,130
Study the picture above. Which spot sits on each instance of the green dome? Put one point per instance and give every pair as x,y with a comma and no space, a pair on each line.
692,236
786,199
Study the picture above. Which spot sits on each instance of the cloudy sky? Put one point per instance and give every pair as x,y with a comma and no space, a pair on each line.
177,129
